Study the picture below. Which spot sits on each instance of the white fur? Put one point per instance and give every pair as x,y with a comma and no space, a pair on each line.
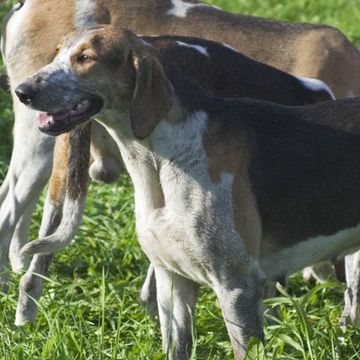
180,8
24,181
316,85
168,234
185,224
201,49
352,294
3,35
310,251
230,47
73,212
84,12
11,28
29,169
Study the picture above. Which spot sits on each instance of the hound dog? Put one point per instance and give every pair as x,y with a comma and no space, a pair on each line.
35,28
220,193
232,75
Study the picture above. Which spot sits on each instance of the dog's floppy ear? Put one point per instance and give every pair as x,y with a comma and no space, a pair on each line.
153,94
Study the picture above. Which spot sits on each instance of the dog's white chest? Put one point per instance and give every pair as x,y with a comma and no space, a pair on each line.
167,244
168,233
184,235
185,222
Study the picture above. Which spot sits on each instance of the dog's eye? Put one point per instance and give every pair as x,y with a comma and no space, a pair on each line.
83,58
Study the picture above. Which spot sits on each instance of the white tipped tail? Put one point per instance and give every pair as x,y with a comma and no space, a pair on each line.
70,222
316,85
77,180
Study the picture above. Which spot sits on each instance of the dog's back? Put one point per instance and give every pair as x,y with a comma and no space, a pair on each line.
223,71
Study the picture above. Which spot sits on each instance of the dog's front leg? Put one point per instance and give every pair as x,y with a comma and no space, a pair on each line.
240,301
176,302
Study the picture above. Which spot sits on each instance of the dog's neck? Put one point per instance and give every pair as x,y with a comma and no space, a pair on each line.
188,99
177,136
189,96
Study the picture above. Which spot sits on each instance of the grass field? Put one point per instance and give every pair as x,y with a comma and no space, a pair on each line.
90,307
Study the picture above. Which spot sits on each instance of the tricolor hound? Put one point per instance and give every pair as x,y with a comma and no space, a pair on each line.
228,193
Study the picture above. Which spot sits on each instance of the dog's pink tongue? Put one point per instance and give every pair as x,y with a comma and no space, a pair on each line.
43,118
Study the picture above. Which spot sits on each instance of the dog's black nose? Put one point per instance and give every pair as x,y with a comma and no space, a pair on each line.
25,93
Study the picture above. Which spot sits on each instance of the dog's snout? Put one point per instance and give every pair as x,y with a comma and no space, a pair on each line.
25,93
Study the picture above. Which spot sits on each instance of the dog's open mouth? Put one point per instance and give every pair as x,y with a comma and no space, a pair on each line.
66,120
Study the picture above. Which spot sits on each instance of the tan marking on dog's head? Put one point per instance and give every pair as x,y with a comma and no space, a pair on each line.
228,152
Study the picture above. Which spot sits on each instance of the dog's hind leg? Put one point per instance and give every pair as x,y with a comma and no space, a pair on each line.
31,285
28,173
52,209
177,298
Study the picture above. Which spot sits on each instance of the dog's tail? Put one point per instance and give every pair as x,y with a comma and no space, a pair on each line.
77,182
319,90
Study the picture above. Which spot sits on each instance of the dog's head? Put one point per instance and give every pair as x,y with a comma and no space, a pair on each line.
99,68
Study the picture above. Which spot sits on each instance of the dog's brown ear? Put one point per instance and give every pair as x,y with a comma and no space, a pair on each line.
153,94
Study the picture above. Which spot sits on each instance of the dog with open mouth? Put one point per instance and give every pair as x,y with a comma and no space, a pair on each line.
76,106
61,121
220,193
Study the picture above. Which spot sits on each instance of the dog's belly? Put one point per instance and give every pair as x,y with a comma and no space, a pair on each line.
280,260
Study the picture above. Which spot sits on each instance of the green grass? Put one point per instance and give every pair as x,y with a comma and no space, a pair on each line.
90,308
